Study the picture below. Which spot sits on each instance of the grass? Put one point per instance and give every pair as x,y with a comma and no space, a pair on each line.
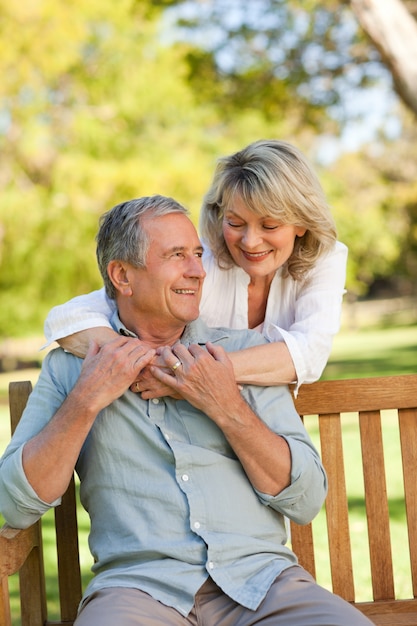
373,352
368,352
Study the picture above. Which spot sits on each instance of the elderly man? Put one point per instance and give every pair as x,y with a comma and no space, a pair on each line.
187,493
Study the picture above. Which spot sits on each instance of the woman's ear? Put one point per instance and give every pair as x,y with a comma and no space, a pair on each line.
300,231
118,274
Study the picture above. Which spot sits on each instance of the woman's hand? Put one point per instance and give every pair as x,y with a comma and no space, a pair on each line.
151,387
202,376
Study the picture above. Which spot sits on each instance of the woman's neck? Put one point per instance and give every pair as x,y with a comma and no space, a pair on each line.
258,292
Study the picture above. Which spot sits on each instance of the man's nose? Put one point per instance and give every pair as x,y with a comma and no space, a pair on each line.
195,268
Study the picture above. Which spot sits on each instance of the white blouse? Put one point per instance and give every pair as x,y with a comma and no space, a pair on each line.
304,314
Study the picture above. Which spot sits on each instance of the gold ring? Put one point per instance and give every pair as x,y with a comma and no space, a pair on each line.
176,366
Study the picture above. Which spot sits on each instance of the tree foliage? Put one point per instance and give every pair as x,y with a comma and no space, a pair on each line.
95,109
300,58
319,62
104,101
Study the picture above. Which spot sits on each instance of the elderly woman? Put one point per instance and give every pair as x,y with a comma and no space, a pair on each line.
273,264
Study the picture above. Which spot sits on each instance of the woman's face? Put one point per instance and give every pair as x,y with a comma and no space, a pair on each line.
258,244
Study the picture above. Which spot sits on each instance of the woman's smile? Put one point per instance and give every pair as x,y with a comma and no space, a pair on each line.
259,244
255,257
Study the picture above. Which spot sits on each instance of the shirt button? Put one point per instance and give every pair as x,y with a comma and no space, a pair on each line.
211,565
197,525
155,400
184,477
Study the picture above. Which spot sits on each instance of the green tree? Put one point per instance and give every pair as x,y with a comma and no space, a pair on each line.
96,108
314,62
99,103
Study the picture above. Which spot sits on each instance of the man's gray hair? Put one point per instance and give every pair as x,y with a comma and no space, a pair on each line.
121,235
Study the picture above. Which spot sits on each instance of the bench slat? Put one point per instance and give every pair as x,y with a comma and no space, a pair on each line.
336,507
376,505
407,419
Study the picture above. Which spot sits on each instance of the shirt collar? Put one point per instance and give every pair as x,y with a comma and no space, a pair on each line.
194,332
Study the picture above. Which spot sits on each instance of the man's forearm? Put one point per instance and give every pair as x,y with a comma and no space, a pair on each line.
264,455
49,458
206,380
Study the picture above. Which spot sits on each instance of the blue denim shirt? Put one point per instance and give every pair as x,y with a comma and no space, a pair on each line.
168,499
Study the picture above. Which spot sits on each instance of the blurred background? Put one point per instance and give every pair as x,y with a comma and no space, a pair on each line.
103,101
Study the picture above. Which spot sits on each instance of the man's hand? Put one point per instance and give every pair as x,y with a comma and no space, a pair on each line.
151,387
109,371
205,377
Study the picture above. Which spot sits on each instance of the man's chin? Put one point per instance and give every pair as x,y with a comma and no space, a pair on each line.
191,316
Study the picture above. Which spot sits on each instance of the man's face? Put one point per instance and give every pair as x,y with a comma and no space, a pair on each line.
167,292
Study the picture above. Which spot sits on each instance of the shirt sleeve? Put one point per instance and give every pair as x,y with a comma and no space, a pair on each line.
19,503
317,314
87,311
304,497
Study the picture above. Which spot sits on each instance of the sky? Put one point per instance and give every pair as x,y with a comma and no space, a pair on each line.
366,114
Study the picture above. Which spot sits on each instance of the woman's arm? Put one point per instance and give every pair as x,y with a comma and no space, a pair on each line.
268,364
300,333
88,312
297,353
78,343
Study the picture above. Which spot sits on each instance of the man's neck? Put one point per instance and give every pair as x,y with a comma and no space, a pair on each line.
153,332
157,340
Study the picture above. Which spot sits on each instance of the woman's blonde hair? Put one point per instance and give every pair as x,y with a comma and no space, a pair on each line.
273,178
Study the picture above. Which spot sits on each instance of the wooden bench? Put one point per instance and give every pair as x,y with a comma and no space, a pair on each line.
333,404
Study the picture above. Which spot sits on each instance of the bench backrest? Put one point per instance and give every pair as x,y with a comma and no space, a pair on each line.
365,404
22,551
332,403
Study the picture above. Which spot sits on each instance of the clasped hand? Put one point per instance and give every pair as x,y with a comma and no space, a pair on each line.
205,377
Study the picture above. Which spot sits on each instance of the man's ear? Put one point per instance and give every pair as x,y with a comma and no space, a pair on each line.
118,274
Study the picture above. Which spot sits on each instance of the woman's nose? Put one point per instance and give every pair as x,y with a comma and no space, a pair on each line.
251,237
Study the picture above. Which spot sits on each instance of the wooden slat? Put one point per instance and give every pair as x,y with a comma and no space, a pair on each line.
303,546
392,619
408,436
69,574
336,507
32,586
362,394
376,505
15,546
31,572
5,617
18,396
391,612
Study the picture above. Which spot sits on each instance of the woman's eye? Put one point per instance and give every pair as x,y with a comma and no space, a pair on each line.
234,224
271,226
